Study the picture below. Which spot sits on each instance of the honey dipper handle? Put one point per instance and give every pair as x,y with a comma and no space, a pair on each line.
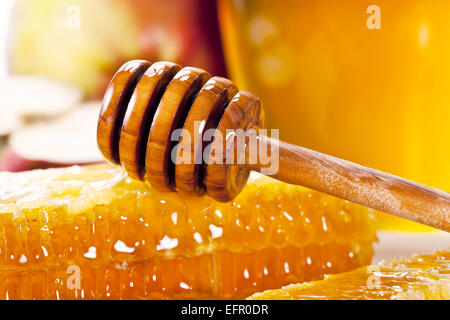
353,182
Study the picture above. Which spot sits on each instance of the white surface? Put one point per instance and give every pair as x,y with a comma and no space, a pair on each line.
74,136
8,122
33,95
404,244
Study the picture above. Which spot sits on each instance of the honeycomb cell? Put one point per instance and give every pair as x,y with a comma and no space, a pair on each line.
425,277
94,233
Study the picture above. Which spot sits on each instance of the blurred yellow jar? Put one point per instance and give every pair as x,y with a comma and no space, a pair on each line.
367,83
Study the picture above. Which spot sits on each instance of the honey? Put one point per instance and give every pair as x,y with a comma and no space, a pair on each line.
420,277
332,83
94,233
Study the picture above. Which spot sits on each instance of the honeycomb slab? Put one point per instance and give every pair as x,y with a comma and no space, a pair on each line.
425,277
94,233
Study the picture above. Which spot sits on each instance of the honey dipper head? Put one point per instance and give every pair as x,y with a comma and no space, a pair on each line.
146,106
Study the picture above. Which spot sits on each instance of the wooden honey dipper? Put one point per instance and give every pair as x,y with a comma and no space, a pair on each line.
145,103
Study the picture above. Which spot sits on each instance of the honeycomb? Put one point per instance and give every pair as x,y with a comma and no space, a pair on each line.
94,233
425,277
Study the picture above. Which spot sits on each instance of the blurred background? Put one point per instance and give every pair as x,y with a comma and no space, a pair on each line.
367,81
